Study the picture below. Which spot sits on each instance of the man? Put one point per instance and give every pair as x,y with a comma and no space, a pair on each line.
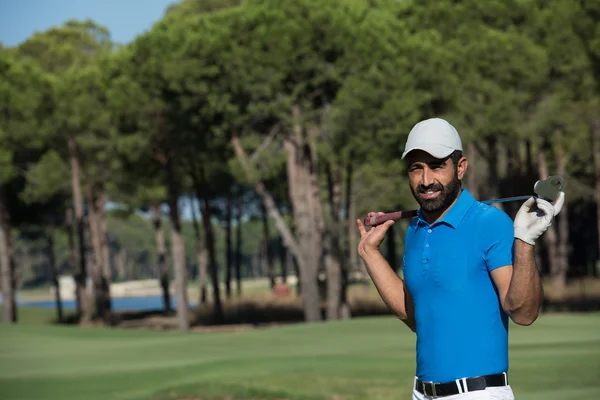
467,269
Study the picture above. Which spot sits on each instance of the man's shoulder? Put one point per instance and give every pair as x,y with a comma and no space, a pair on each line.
487,214
490,223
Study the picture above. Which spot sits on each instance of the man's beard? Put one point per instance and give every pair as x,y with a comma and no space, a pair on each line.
448,194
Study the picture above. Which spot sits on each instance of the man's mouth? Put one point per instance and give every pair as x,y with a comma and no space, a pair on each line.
430,194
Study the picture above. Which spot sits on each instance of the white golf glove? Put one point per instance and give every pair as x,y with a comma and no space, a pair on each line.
530,224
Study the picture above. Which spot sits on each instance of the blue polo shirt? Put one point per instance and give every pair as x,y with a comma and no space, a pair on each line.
462,330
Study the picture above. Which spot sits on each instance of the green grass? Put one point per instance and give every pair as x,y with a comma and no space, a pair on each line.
368,358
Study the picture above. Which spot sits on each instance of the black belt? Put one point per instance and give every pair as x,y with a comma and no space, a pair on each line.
451,388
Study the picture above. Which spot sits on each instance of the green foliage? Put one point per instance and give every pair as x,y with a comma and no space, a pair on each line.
76,43
23,89
6,165
185,8
82,112
46,177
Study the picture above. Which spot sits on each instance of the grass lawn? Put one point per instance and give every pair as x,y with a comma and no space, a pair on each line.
367,358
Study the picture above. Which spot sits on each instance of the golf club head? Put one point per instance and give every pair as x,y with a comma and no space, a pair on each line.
549,188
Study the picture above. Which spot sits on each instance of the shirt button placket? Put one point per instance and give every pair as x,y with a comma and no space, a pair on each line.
426,251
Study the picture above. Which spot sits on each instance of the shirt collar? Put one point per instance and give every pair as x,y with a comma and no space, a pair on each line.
455,214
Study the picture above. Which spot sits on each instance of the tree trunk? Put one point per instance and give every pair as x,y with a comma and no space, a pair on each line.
353,240
161,255
334,264
69,228
238,246
199,183
254,265
267,247
294,261
177,250
357,263
104,239
201,259
391,248
127,266
14,274
472,181
351,232
301,169
104,252
120,263
559,275
104,245
54,274
84,306
596,156
307,271
514,183
9,312
228,251
494,174
282,260
349,251
529,158
100,285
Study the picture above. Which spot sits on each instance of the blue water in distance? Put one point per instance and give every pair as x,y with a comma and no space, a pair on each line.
144,303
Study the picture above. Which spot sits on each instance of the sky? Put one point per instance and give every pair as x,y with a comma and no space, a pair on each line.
125,19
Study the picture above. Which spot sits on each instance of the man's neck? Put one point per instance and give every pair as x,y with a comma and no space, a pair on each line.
432,217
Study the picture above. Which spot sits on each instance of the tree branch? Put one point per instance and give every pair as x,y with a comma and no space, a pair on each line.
272,135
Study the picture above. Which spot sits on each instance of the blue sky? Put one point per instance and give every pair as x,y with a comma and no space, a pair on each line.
125,19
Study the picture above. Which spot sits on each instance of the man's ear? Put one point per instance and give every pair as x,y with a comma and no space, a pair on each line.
462,167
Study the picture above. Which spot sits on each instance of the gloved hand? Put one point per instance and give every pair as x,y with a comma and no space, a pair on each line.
531,222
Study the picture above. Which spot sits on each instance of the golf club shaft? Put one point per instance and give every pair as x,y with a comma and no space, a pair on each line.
380,219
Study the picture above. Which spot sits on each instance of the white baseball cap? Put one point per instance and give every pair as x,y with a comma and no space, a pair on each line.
435,136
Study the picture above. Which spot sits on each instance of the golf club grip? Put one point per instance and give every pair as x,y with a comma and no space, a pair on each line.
380,219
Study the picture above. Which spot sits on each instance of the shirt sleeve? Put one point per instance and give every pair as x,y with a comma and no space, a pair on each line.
497,233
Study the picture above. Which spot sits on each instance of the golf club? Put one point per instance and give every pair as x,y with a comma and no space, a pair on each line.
547,189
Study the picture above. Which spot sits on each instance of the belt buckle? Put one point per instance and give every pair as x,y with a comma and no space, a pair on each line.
433,391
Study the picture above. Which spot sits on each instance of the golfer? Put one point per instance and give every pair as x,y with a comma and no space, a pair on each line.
467,269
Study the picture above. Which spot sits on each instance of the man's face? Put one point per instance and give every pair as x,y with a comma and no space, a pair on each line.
435,183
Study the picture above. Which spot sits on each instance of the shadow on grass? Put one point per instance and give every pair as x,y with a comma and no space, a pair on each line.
265,309
243,312
116,318
209,391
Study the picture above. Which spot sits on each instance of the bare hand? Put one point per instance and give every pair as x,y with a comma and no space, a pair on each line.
370,240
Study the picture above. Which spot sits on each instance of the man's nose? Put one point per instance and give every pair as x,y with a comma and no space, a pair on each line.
427,177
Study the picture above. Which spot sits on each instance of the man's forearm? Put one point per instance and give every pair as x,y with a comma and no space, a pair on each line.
525,293
390,287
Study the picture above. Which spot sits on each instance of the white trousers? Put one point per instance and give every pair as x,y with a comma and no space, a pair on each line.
490,393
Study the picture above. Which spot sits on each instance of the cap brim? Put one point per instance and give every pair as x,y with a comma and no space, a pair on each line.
436,150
